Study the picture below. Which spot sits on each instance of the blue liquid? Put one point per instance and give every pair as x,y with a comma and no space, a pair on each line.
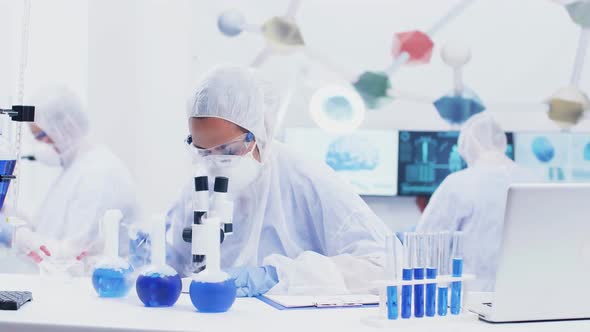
213,296
392,307
406,294
443,301
6,168
156,290
456,286
418,294
431,293
112,282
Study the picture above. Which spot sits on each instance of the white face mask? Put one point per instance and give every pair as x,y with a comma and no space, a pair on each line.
46,154
240,170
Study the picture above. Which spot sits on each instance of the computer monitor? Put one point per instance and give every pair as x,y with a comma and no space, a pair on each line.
555,156
425,158
365,158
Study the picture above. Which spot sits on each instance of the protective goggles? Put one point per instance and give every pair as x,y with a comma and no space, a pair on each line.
235,147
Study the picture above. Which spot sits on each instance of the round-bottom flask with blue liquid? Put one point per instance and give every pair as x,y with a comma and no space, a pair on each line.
112,278
212,293
159,286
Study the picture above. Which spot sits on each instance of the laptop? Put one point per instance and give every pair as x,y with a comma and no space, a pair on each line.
544,264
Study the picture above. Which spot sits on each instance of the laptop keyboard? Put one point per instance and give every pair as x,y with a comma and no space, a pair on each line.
14,300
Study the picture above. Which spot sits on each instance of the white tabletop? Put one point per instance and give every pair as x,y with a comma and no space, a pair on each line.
72,305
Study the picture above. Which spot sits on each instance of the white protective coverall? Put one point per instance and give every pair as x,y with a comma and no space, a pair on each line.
93,179
473,200
296,216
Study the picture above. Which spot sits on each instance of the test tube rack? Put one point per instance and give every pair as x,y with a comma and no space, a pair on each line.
437,280
382,320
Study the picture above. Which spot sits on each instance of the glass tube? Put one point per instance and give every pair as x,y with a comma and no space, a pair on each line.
431,273
392,257
457,255
444,254
392,307
419,262
407,275
391,273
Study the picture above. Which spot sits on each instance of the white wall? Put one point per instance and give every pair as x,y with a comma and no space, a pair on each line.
7,41
135,61
138,80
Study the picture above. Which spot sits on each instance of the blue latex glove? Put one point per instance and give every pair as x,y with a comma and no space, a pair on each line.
254,281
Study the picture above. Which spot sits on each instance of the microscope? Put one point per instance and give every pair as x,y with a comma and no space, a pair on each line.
207,208
211,289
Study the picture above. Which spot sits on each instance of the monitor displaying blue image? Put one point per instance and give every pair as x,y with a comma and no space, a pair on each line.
555,156
580,157
365,158
426,158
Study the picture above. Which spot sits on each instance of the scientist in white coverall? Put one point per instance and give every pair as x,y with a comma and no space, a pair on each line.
473,200
92,180
298,228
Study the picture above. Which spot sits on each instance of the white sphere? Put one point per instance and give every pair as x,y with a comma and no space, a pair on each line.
456,54
231,22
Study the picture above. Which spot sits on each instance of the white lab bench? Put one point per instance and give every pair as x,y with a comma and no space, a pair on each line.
71,305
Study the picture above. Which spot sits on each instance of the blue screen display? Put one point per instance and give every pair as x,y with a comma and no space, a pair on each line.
426,158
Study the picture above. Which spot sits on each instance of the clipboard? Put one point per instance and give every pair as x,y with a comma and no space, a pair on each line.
288,302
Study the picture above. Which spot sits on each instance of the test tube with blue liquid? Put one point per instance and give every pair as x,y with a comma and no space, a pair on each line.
391,274
444,247
407,274
431,273
418,263
457,270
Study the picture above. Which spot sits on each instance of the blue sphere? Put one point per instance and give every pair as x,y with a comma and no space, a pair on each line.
112,282
456,109
231,23
213,296
158,290
543,149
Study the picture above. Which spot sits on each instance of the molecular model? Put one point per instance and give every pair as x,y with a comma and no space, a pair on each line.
457,106
568,104
409,48
341,108
281,32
